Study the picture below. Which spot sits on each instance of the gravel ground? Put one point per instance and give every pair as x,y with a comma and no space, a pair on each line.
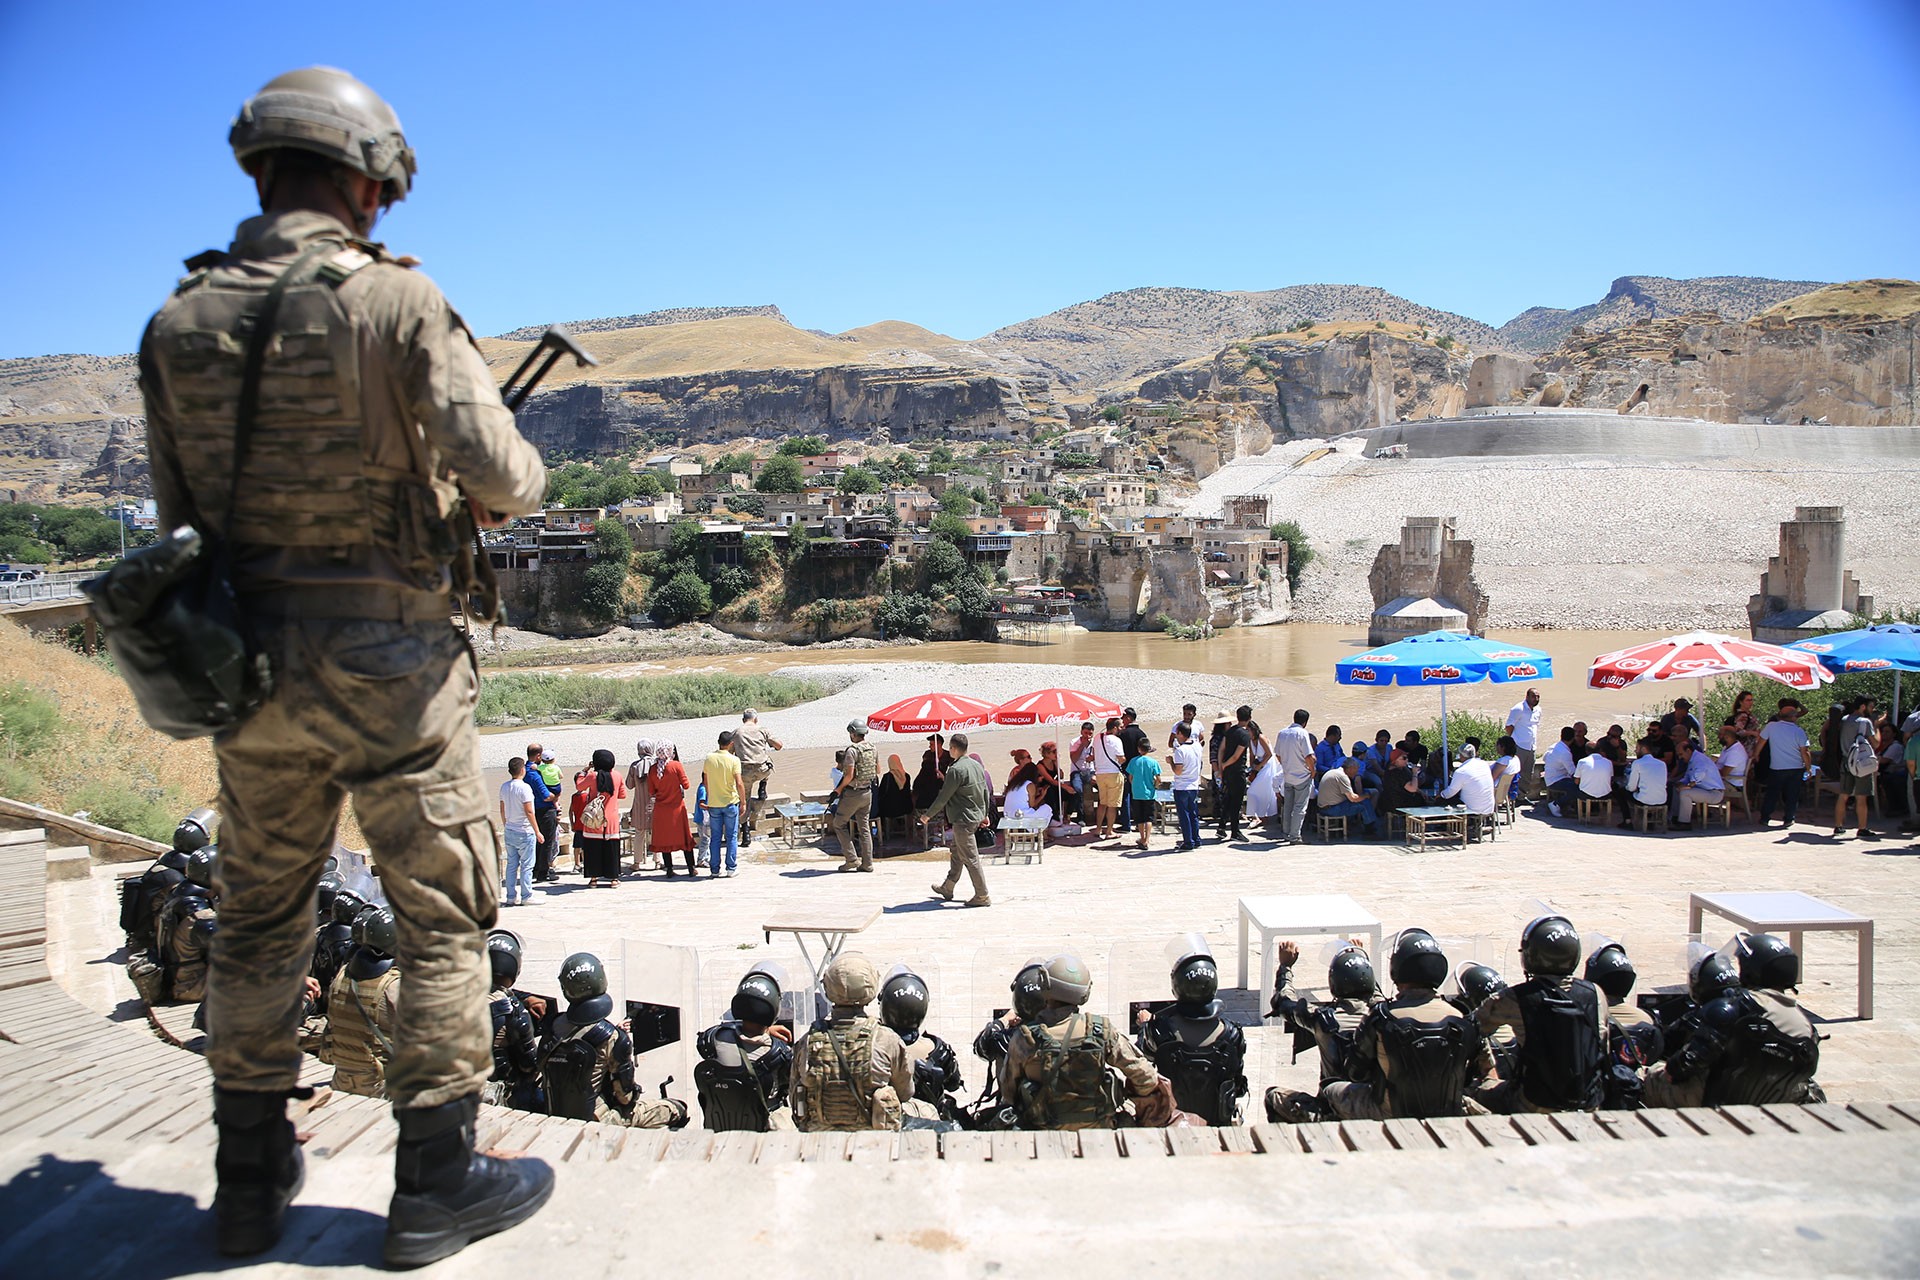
1582,541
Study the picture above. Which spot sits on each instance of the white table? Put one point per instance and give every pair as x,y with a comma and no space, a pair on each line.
1024,836
1793,914
1299,916
832,927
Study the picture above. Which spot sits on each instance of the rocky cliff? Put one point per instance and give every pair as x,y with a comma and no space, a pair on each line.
1633,299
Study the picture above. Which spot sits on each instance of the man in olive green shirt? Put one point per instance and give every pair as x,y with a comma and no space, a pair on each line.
721,773
963,799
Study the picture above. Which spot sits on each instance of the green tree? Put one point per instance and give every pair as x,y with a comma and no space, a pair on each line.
681,598
859,480
803,447
940,455
974,603
741,462
1113,413
1071,460
1299,550
751,504
757,552
729,583
781,475
651,484
683,544
905,615
603,595
943,563
956,501
612,544
949,529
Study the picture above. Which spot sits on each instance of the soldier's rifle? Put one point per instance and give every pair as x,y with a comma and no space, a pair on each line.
553,344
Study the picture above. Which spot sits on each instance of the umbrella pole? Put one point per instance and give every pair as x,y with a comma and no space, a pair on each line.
1446,759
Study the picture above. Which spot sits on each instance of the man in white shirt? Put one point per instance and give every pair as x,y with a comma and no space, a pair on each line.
1594,775
1523,726
1472,784
1787,757
1733,765
1186,761
1080,755
519,833
1561,781
1647,777
1293,750
1109,756
1700,781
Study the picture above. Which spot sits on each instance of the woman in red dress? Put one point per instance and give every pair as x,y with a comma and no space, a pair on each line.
599,841
672,832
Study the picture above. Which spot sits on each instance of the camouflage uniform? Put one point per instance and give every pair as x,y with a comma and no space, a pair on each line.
362,1014
1047,1098
188,927
852,814
376,415
850,1072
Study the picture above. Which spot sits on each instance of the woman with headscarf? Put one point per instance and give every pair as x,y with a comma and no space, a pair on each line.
596,831
647,753
933,771
895,799
670,831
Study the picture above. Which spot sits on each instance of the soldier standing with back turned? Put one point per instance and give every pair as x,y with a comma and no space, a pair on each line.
376,441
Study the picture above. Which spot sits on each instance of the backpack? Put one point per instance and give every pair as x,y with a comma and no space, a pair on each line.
1862,760
593,814
1074,1089
567,1070
1562,1058
839,1074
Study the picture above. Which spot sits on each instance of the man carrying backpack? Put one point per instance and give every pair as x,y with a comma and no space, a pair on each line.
1056,1074
850,1071
1559,1027
1859,766
586,1065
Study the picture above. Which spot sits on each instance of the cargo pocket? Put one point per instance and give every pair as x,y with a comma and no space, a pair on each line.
369,650
458,807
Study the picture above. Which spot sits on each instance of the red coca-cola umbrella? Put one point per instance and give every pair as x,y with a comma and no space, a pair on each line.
1054,706
933,713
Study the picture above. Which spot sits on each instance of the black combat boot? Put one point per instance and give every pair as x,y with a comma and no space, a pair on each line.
259,1167
445,1196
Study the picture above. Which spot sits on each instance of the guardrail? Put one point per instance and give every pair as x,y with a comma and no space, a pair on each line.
52,586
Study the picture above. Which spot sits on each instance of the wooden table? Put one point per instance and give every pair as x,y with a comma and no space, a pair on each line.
831,926
1442,824
1299,916
794,817
1794,914
1025,836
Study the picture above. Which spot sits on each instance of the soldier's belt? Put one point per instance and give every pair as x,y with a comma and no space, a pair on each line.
374,604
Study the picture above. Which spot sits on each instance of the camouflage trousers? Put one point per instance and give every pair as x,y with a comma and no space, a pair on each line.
644,1113
381,709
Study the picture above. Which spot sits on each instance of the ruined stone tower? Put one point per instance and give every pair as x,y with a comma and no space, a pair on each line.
1807,588
1425,583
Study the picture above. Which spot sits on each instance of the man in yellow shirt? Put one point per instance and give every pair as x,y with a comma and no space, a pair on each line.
721,773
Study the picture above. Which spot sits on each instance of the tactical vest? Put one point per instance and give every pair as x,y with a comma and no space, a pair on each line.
190,925
1074,1089
1427,1062
1206,1071
308,480
1764,1061
1332,1026
571,1069
1561,1060
838,1081
141,898
360,1032
512,1029
866,765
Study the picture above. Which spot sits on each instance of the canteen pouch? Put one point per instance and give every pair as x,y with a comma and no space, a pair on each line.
177,635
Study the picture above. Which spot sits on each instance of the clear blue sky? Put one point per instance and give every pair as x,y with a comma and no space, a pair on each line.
967,166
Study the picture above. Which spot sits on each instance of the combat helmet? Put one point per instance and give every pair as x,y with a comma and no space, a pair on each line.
373,929
1350,975
1767,962
903,1002
200,868
850,981
1195,973
1479,983
1029,989
757,998
1417,960
1550,947
504,954
195,831
583,983
1611,971
329,113
1065,980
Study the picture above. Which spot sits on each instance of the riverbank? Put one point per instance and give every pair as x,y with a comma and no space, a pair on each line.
509,648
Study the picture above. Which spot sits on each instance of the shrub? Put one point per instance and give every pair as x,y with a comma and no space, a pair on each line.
603,594
1299,550
802,447
729,582
681,598
542,697
29,721
612,544
1113,413
905,614
751,504
1461,725
943,563
1074,460
782,475
757,552
974,604
750,611
150,810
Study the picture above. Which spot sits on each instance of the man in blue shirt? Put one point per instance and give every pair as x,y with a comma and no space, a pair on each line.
546,812
1143,779
1700,781
1329,753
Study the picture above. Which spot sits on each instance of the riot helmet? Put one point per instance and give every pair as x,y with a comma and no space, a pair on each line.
1550,947
1029,988
329,113
850,981
757,998
1065,980
373,929
348,903
903,1002
200,868
328,886
583,983
1193,970
1479,983
195,831
1767,962
1713,976
1611,971
1417,960
174,860
504,954
1350,975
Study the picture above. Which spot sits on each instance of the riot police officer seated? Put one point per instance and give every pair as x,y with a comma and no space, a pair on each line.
1330,1023
1413,1055
850,1071
183,934
515,1081
361,1006
904,999
1752,1044
586,1065
142,896
1711,976
1202,1054
1478,984
1559,1025
741,1079
1634,1042
1028,991
1060,1066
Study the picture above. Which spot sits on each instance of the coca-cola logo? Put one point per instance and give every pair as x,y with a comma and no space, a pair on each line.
1439,673
1364,675
1522,671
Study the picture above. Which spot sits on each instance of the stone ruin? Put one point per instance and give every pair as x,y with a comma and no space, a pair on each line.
1425,583
1807,588
1249,511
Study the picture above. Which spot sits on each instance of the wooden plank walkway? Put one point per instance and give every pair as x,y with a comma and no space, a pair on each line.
70,1071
